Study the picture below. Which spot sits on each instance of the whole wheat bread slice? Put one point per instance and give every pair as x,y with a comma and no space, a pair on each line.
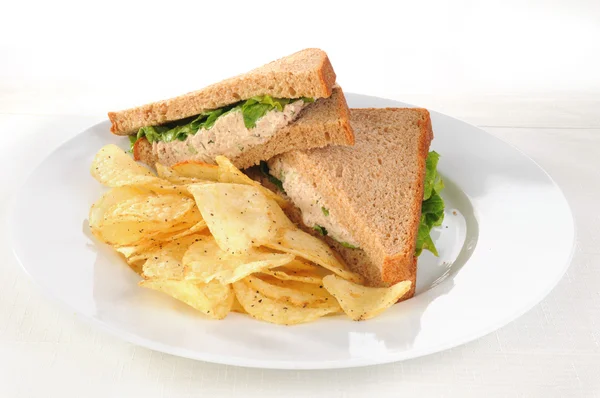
307,73
324,122
374,188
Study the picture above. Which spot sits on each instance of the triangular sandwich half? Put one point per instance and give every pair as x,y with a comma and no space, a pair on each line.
289,104
367,199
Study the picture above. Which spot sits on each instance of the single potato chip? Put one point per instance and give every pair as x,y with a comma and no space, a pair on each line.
149,242
170,175
228,173
164,172
278,216
266,309
207,173
113,167
212,299
141,250
130,251
197,170
106,201
296,293
137,266
164,261
205,261
237,307
123,233
299,271
287,275
299,265
192,223
136,234
238,216
195,228
162,267
151,208
304,245
142,220
362,302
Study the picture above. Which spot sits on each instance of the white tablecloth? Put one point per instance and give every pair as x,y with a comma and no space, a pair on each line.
525,71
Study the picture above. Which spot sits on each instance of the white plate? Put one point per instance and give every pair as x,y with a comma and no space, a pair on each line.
506,241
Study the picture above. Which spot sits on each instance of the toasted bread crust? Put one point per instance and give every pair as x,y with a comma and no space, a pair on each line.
307,73
403,266
326,122
326,77
142,152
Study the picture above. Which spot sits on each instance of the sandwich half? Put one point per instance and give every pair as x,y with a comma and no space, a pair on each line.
367,200
289,104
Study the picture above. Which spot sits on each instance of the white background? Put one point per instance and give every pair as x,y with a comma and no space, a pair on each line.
526,71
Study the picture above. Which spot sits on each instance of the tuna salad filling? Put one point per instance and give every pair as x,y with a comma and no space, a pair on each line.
315,211
227,131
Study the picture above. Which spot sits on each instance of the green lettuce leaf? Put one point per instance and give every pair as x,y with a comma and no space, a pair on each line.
152,133
264,169
432,208
132,141
256,107
431,175
252,110
320,229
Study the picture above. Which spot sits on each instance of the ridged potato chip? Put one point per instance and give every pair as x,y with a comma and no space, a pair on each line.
303,245
140,219
297,293
106,201
114,168
137,266
362,302
189,230
302,265
204,261
170,175
287,275
124,233
197,170
164,261
162,267
266,309
140,249
167,208
212,299
131,232
237,307
238,216
298,271
228,173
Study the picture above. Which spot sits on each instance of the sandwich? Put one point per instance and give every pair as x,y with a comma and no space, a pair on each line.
289,104
376,202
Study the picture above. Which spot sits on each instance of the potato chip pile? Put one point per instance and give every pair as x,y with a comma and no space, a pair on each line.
218,241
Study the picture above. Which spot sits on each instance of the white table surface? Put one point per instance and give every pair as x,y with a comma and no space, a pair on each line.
525,71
